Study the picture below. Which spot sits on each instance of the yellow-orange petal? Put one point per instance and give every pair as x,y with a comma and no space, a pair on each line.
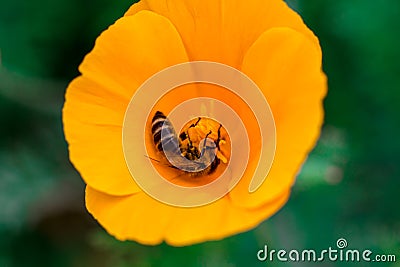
141,218
215,30
124,56
287,67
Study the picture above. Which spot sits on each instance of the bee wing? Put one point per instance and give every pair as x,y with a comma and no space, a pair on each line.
182,163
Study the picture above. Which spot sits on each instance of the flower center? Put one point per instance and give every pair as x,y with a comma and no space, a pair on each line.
196,156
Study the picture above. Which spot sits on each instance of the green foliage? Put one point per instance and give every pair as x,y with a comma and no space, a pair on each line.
348,187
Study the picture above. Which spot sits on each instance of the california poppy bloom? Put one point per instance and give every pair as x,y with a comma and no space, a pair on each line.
265,40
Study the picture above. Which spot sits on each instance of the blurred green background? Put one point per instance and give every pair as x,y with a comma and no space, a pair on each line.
348,188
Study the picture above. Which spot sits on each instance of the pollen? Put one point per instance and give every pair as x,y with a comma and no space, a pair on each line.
197,130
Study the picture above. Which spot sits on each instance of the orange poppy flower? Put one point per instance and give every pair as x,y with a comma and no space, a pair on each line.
265,40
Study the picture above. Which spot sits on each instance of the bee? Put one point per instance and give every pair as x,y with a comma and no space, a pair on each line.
188,158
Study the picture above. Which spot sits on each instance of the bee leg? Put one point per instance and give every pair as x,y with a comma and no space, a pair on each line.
159,162
185,135
206,137
190,144
191,152
219,137
195,124
204,144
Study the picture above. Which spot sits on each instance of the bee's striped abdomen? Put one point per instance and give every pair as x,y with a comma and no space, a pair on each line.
169,142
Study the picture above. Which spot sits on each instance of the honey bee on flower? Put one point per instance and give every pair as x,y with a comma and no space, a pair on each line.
193,157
